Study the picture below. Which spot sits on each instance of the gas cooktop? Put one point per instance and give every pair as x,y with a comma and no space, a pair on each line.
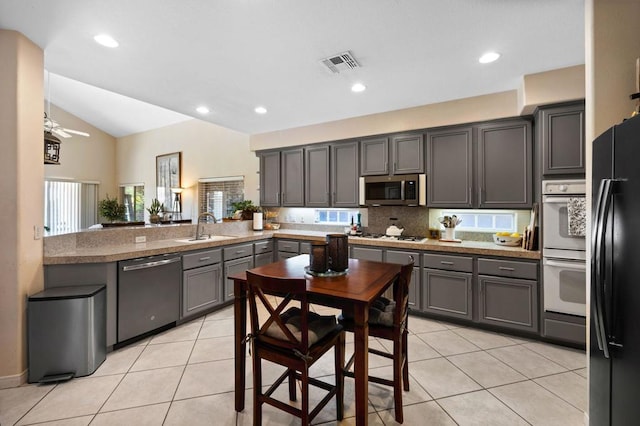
395,238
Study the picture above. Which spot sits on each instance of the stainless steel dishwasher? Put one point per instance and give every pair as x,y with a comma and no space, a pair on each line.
148,294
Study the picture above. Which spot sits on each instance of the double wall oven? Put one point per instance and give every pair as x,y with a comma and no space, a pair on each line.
563,246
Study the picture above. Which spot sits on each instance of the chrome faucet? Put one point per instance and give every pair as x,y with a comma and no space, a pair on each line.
200,217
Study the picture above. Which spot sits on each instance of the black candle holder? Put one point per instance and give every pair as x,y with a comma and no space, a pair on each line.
338,252
318,259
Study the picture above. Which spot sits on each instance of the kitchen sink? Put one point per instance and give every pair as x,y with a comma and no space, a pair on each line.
207,238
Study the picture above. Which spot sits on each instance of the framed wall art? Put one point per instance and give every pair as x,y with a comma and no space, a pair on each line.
167,176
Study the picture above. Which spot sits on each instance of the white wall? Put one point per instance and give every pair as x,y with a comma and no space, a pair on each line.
207,150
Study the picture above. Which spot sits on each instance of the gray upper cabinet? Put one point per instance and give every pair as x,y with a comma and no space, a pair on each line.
292,178
270,179
505,152
560,133
316,178
450,167
407,154
344,174
374,157
402,154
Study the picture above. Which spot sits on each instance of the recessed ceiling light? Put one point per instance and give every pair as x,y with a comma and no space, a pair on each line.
489,57
202,110
260,110
106,40
358,87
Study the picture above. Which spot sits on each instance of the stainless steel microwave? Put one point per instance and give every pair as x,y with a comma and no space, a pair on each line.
397,190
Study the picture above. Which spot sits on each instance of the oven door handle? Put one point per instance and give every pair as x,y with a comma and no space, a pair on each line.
552,199
578,266
598,264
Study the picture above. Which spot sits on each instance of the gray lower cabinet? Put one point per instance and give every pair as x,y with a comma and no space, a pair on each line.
270,179
345,171
237,258
263,253
508,302
505,166
450,167
366,253
316,176
287,248
508,293
447,285
402,258
201,281
292,178
447,293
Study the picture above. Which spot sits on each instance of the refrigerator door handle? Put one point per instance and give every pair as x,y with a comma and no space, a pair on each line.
598,263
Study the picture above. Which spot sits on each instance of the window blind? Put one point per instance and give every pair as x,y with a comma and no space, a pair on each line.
217,195
69,206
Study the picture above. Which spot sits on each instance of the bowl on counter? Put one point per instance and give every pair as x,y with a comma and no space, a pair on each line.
507,240
273,226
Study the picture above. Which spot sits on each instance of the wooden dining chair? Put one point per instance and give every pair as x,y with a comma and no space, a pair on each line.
388,319
294,338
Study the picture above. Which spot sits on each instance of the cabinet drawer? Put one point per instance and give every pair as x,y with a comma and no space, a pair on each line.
402,257
305,248
508,268
263,247
448,263
289,246
201,258
263,259
366,253
238,251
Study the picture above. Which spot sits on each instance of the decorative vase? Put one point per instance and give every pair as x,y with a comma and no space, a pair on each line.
154,218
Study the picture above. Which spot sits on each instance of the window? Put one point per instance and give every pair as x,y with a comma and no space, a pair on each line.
132,196
69,206
484,221
335,216
217,195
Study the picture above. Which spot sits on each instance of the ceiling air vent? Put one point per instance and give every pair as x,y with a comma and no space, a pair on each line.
341,62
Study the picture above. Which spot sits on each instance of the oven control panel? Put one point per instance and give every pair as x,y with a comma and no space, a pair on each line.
561,187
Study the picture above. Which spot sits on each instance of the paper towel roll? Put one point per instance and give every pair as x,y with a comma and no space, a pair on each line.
257,221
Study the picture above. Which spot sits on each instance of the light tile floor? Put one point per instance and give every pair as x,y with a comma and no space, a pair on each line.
184,376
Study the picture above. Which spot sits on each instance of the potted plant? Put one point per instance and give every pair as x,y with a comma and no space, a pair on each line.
110,209
154,211
247,208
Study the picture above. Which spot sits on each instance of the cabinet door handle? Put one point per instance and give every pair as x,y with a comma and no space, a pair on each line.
202,259
445,262
470,196
239,251
505,268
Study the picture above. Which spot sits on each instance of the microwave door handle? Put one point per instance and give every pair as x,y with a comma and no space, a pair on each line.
401,189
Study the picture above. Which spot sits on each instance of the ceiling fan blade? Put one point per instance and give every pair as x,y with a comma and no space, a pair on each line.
59,132
76,132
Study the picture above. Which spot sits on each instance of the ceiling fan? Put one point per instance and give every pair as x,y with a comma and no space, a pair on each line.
53,127
50,125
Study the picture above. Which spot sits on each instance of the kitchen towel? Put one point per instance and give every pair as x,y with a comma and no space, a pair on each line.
577,216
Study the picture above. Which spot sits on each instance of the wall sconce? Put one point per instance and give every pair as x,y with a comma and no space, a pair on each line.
51,148
175,208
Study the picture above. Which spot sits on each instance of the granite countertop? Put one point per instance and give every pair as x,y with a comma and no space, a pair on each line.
116,252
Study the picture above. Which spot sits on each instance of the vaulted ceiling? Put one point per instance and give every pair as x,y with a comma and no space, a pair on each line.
234,55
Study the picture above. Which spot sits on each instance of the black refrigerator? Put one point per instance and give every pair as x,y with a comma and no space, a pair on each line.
614,353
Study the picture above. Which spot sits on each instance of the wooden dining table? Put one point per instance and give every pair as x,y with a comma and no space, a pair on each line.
356,290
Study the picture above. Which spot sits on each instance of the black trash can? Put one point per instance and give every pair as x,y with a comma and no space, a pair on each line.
67,332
